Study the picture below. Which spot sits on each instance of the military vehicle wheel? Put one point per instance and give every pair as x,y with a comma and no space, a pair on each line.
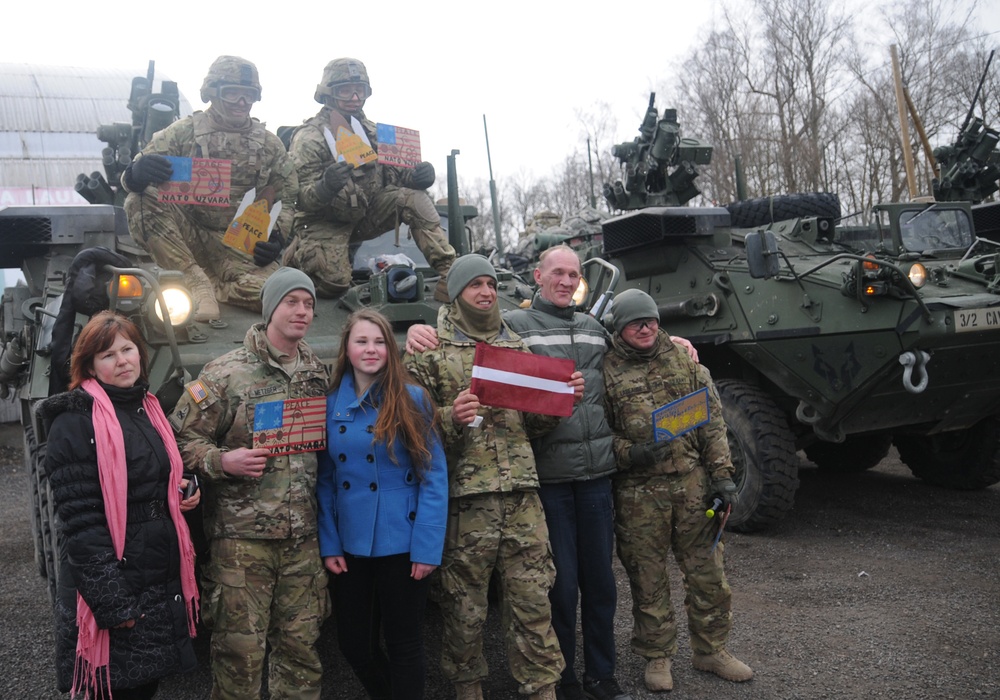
34,495
960,459
766,210
763,452
855,454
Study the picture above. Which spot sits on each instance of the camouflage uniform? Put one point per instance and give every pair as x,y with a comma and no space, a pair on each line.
376,198
662,507
265,581
189,237
495,521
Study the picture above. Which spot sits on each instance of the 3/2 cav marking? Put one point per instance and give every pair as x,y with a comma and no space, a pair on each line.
976,319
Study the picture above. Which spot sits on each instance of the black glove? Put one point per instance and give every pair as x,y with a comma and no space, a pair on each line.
725,490
266,252
147,170
423,176
334,178
646,454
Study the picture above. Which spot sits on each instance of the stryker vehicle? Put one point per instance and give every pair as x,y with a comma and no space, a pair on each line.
837,340
40,318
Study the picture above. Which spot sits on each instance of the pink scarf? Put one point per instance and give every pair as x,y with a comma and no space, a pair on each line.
93,645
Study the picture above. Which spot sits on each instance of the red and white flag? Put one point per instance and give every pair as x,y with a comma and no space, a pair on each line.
508,378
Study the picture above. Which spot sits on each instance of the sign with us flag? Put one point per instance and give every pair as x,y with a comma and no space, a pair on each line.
290,426
203,182
398,146
508,378
681,416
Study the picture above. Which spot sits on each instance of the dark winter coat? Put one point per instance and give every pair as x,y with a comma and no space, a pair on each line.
145,584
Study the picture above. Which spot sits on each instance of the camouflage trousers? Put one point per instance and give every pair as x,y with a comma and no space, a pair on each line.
260,592
178,243
652,518
505,532
321,248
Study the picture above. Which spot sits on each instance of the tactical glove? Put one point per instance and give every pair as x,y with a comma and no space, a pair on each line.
423,176
334,178
725,490
147,170
646,454
266,252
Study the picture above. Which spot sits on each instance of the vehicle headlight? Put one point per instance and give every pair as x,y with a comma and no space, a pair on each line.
918,275
178,304
581,293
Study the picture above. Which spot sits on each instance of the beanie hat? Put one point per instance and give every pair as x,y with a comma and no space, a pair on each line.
464,270
632,305
280,283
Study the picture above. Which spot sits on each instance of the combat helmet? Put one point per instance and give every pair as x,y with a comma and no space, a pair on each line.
340,71
229,70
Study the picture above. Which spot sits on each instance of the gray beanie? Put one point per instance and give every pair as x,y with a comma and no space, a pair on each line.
280,283
464,270
632,305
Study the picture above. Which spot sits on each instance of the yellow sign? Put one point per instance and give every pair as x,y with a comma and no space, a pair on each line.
249,228
353,148
680,416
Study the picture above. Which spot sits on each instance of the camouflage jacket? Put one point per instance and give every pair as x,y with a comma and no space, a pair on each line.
635,386
258,160
215,414
496,457
311,155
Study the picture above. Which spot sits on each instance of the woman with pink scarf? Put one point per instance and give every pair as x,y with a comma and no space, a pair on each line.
127,600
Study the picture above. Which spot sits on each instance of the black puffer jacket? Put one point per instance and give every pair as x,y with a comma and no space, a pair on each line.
145,584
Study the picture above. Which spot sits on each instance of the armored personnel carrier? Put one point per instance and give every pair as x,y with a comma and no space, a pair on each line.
837,340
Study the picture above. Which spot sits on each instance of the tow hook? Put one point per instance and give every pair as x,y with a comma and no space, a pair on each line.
914,361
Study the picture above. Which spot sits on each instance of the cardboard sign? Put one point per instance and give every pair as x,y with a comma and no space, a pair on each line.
253,222
203,182
354,149
681,416
291,426
398,146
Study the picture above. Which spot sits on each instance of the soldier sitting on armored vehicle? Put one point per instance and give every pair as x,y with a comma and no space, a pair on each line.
342,204
189,236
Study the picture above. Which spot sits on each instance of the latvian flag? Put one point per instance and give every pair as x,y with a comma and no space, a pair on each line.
508,378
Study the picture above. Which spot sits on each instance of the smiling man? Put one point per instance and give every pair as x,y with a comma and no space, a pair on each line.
188,236
265,581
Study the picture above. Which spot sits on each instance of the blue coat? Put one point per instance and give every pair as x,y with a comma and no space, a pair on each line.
370,506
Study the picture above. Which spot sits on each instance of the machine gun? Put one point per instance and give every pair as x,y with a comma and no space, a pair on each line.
150,113
659,164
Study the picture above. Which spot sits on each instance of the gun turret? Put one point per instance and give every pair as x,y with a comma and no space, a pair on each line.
970,167
659,165
151,112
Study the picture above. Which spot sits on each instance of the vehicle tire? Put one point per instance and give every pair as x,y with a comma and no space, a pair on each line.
763,452
766,210
36,505
854,455
960,459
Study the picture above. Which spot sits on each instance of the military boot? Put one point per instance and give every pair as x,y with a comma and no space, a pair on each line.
546,693
206,308
657,676
441,289
469,691
724,665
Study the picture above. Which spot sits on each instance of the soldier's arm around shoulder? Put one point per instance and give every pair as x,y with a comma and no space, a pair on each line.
200,421
426,369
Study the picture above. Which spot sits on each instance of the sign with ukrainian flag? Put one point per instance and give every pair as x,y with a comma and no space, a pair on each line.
681,416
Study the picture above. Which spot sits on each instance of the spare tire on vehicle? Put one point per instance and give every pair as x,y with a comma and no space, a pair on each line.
766,210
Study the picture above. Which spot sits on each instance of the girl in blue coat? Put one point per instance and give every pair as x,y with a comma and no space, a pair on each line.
383,501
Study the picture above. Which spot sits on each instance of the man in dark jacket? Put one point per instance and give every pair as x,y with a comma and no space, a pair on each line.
574,464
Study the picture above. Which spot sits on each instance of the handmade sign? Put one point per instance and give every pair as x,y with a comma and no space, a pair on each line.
398,146
681,416
290,426
253,221
201,182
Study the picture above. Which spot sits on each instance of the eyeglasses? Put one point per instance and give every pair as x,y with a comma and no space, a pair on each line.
636,326
235,93
346,91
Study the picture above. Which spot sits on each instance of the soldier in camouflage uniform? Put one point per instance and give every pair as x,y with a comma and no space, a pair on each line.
339,205
188,237
265,582
661,493
495,517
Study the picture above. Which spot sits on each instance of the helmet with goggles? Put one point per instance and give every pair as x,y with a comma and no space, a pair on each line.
231,79
343,78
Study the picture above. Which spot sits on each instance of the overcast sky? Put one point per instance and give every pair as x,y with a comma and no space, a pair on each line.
436,66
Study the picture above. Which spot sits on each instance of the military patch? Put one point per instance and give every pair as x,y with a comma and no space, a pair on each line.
198,391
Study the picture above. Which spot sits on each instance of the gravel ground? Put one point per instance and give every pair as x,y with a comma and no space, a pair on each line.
876,586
